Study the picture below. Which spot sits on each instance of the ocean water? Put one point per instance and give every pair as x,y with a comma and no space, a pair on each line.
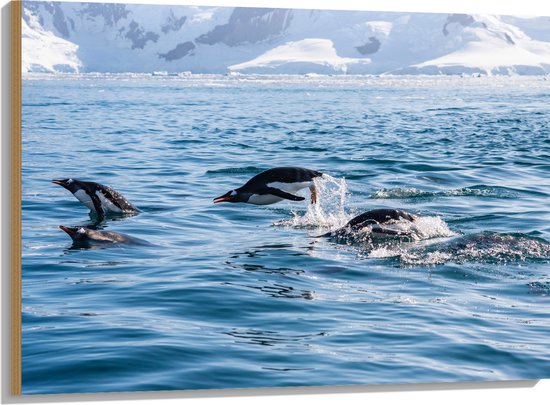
235,295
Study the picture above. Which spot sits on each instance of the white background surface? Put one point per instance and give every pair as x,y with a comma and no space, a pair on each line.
518,393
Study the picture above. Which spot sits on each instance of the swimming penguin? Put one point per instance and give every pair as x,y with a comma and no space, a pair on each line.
378,222
274,185
87,236
98,198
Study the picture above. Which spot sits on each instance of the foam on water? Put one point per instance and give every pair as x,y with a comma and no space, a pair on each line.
385,251
486,247
496,247
424,228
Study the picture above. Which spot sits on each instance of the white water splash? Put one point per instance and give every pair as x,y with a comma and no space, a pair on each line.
426,228
382,252
330,210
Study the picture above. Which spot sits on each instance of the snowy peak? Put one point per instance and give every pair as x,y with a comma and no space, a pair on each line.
107,37
111,14
45,52
488,45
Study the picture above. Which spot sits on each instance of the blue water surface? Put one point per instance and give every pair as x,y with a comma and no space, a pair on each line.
235,295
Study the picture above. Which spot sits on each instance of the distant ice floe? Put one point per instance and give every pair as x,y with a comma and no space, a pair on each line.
187,79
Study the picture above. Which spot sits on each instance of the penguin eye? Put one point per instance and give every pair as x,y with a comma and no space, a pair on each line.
69,181
233,193
81,230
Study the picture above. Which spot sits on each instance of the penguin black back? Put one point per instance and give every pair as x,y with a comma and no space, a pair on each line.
380,216
280,175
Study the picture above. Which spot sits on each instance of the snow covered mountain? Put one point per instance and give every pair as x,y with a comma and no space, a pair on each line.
108,37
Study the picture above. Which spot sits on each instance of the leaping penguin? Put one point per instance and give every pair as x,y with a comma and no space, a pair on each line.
274,185
98,198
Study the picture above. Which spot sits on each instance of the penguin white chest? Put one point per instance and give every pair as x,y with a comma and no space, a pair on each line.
85,199
106,204
263,199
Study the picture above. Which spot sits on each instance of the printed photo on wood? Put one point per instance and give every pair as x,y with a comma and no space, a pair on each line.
229,197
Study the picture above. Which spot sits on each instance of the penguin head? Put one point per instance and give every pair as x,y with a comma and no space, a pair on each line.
76,233
233,196
70,184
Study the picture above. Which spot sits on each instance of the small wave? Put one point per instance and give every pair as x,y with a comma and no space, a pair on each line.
483,191
473,191
51,104
390,193
451,109
539,288
237,170
330,209
186,141
308,149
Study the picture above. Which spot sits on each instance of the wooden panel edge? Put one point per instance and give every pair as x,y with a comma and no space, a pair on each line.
15,251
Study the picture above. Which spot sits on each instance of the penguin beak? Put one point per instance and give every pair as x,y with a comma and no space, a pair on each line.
70,231
59,182
222,198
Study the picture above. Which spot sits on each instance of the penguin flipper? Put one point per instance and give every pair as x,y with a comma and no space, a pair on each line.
283,194
97,205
